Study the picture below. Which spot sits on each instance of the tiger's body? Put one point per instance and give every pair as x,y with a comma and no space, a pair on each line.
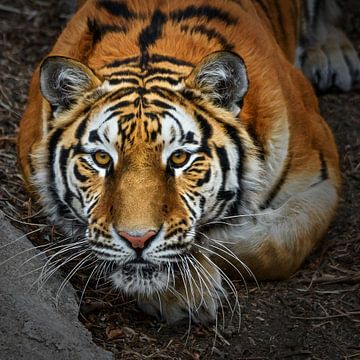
177,159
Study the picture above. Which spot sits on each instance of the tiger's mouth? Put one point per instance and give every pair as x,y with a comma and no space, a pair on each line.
141,267
141,277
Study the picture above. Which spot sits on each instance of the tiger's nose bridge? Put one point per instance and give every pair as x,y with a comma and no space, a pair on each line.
139,201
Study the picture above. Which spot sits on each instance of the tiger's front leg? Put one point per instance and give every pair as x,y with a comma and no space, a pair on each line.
195,292
326,56
273,243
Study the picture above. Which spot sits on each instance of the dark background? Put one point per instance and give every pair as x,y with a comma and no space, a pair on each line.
314,315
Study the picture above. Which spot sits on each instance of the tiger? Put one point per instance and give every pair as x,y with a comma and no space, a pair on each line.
183,141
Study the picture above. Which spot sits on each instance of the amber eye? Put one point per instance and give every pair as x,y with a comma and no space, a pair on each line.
179,158
102,158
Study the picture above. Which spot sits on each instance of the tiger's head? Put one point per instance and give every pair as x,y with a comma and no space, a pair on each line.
141,159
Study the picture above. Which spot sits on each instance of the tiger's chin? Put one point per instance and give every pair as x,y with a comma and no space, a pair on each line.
162,294
143,280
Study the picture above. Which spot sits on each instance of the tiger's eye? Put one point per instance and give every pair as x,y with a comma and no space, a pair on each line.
102,158
179,158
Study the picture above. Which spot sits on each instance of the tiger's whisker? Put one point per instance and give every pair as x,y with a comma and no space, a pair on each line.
70,275
45,275
49,260
20,238
207,280
87,283
227,251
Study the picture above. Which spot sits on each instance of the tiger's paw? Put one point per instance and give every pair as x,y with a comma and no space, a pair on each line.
174,311
332,63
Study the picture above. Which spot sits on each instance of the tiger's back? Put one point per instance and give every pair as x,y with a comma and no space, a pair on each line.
128,80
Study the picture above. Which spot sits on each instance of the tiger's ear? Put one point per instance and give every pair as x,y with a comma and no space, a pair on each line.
222,77
63,81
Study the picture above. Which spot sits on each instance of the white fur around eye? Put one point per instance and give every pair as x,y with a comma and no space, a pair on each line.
173,127
89,159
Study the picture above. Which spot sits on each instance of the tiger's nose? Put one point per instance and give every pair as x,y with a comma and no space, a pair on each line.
138,242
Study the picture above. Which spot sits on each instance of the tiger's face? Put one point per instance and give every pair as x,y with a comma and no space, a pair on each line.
143,167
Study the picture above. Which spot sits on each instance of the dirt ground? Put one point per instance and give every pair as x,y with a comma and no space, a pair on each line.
314,315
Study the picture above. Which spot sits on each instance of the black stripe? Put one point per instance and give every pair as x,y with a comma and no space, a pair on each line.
198,159
196,171
125,73
224,164
275,190
86,165
153,135
232,132
205,179
323,170
207,133
152,116
120,104
52,145
69,195
207,12
93,205
156,58
123,81
117,63
167,79
178,123
81,129
202,203
193,213
162,71
127,117
117,9
190,95
210,34
224,195
162,105
121,93
78,175
112,115
150,34
223,158
64,156
224,202
162,92
98,30
94,136
189,138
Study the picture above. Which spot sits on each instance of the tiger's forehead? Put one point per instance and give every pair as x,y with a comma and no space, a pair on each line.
142,118
158,71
